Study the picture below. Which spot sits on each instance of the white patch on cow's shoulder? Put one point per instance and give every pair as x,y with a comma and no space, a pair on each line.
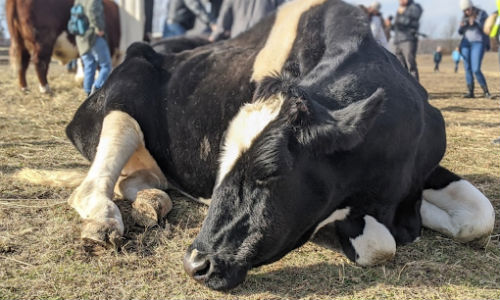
459,210
375,245
64,51
337,215
281,38
244,128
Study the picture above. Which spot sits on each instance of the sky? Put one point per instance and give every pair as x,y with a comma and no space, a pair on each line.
435,19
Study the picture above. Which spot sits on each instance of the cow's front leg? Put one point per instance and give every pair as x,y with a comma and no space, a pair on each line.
362,238
143,183
365,240
120,137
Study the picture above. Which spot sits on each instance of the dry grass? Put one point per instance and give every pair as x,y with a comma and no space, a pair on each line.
41,255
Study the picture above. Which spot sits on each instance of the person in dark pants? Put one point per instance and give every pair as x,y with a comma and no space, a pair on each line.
406,25
182,15
473,46
438,56
237,16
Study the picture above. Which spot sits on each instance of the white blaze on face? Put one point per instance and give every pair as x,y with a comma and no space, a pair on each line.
459,210
375,245
64,51
244,128
281,38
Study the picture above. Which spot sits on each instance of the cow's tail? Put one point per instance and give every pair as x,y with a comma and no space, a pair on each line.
454,207
16,42
52,178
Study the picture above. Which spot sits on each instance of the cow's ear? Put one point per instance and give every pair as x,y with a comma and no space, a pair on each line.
328,131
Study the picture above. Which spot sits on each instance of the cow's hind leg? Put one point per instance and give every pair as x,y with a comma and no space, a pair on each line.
454,207
120,137
143,182
41,61
21,60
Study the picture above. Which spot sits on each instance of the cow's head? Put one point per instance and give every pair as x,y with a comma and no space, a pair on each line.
274,182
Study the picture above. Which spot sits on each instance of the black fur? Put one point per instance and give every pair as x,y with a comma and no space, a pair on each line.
355,130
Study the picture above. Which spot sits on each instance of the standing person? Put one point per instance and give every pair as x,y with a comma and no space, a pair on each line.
132,20
406,25
182,14
93,47
473,45
438,56
377,24
455,55
237,16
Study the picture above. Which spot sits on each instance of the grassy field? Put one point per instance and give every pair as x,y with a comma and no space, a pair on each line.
41,255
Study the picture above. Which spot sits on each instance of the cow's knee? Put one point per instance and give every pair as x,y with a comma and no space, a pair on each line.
458,210
366,241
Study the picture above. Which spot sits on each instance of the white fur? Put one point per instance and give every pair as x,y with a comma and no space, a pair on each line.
120,137
64,51
459,210
375,245
244,128
337,215
45,89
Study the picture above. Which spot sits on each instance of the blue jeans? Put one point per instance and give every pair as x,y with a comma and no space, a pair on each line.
473,56
173,29
99,54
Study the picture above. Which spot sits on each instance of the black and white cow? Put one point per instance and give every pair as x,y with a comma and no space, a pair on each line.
302,128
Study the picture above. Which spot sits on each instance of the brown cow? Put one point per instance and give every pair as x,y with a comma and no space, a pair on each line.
38,32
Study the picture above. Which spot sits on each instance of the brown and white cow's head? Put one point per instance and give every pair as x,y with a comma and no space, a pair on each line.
275,183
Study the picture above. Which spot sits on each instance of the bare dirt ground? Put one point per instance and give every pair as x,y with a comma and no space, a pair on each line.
41,255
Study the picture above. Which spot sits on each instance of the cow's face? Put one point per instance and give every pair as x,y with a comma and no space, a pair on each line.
271,190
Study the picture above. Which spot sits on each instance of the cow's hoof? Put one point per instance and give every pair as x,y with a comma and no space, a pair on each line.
480,243
103,233
25,90
45,89
150,207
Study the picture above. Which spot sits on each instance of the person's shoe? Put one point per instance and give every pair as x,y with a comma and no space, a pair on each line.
486,94
496,141
470,94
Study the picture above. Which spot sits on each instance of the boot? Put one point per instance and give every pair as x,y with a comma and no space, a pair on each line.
486,94
470,94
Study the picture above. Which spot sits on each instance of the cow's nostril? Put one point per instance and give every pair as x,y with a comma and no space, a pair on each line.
197,265
203,270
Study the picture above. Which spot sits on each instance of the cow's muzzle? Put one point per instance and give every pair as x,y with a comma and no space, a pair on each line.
197,265
213,272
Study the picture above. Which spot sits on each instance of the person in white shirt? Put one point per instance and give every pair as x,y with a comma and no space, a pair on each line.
376,23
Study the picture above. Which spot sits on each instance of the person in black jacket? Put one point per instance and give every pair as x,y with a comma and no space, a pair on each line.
182,14
406,25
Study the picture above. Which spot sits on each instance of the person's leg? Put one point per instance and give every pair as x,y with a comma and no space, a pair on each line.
411,57
465,50
456,66
103,57
476,59
398,51
173,29
89,67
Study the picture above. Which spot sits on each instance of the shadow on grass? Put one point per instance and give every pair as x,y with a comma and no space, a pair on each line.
461,109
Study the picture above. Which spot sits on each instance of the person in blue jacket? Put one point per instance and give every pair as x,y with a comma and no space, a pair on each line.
473,46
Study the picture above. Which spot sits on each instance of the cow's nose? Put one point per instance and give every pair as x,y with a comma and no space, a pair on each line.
197,265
